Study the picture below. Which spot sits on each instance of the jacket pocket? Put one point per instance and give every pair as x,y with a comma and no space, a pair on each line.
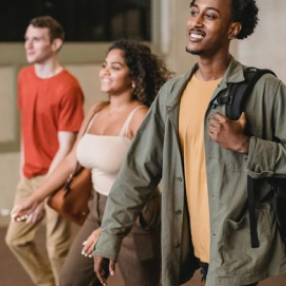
238,254
234,161
150,216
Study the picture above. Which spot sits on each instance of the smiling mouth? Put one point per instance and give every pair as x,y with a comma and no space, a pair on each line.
105,80
197,35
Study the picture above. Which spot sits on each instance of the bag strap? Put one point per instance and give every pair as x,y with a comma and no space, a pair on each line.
235,105
240,91
77,169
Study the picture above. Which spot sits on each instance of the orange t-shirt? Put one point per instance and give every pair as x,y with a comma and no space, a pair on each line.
47,106
194,103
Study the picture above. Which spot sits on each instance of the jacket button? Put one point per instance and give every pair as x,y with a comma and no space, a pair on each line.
178,212
180,179
177,245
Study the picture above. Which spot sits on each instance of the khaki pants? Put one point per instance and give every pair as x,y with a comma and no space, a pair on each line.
20,239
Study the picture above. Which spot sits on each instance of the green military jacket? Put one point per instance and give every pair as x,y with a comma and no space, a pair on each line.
155,154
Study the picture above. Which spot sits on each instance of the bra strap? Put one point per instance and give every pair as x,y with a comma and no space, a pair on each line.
125,127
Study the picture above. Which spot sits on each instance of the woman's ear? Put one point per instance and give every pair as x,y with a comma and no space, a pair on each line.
234,30
57,44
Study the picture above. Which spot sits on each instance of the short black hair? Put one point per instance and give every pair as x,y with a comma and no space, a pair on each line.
245,12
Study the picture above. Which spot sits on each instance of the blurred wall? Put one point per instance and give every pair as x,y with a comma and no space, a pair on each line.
266,48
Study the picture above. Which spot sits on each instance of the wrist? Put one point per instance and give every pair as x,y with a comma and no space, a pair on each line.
243,146
36,198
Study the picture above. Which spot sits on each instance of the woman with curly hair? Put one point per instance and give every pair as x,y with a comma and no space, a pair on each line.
131,75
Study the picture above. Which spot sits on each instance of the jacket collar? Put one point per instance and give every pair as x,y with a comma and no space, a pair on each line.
234,73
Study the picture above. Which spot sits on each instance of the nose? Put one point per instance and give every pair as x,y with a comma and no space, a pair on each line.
197,21
28,44
105,70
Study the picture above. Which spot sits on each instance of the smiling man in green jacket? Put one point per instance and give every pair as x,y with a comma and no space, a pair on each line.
203,159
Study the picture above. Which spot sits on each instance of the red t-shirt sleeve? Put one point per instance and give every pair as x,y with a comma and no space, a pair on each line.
71,110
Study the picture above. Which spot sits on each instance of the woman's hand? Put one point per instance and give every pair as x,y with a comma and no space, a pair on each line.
24,210
37,214
90,243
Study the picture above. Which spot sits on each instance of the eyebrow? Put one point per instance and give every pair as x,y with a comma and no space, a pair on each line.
118,63
208,8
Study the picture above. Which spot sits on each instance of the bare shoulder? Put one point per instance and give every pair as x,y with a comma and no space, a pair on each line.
93,109
137,119
96,107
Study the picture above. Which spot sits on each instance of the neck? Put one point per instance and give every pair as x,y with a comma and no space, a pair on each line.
120,102
212,69
48,68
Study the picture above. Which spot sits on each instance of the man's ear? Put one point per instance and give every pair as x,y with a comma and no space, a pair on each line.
234,30
57,44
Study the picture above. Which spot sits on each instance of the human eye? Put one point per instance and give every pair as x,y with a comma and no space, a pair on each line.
193,12
37,39
210,16
116,67
103,65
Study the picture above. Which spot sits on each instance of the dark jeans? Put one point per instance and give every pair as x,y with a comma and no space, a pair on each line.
204,272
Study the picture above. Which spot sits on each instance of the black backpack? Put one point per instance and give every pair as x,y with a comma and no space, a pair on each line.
234,107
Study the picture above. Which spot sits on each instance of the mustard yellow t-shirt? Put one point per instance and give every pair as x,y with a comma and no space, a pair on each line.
194,103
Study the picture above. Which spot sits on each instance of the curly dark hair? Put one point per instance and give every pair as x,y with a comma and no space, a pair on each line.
147,71
245,12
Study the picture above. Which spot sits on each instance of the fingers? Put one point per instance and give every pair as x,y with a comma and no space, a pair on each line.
20,212
90,249
215,123
242,119
17,218
88,244
99,269
29,218
111,267
218,117
33,217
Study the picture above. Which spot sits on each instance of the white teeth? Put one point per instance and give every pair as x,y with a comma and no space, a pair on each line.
106,80
196,36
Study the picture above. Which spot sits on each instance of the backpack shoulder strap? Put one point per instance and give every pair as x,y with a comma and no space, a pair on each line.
237,95
240,91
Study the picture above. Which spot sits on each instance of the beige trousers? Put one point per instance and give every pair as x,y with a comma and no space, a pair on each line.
20,239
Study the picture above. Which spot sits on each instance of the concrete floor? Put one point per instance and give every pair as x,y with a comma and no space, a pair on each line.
12,274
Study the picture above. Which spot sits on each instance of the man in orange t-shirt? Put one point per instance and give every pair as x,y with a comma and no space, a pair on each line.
51,106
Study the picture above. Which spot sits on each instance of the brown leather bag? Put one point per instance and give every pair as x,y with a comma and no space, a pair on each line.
71,201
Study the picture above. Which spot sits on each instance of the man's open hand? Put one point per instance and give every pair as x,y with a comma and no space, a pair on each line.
102,268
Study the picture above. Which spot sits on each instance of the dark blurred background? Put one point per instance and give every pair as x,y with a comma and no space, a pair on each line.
83,20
